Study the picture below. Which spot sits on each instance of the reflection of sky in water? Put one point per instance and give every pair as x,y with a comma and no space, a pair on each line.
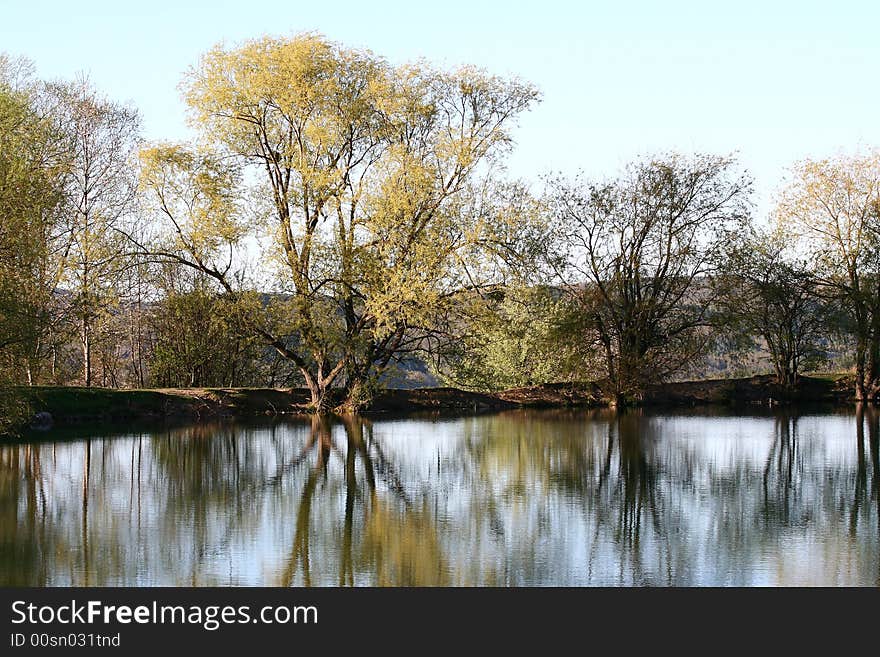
522,498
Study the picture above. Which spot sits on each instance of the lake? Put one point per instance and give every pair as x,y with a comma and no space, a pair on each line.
522,498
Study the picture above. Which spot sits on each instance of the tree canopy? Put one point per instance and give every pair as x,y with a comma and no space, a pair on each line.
637,254
365,181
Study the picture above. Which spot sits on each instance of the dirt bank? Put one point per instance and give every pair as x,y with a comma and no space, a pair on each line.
830,389
70,405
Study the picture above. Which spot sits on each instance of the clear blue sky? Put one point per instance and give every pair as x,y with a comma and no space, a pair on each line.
774,81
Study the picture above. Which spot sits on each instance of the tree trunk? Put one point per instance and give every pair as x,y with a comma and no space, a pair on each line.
788,375
861,393
358,389
871,373
87,353
322,397
320,386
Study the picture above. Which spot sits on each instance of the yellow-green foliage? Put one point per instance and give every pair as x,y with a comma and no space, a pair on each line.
32,169
363,173
205,185
519,339
833,205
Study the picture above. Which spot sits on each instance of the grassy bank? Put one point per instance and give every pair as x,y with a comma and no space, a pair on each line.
832,388
75,404
71,405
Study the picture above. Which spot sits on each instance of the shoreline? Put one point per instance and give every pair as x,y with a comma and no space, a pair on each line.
75,405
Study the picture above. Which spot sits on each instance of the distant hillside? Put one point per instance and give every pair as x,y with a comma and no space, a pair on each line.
410,375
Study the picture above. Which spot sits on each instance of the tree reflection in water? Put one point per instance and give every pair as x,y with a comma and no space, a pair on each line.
519,498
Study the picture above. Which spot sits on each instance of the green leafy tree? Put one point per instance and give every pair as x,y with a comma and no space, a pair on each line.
198,343
33,166
32,169
364,174
514,337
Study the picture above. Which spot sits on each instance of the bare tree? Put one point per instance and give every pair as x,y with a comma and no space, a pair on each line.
636,256
100,191
775,296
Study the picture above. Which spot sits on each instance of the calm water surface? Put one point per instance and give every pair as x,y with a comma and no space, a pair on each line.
519,498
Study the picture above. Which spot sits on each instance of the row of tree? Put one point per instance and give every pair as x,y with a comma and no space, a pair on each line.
647,274
337,215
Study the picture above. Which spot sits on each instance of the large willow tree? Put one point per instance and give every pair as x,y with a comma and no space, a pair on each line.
365,179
